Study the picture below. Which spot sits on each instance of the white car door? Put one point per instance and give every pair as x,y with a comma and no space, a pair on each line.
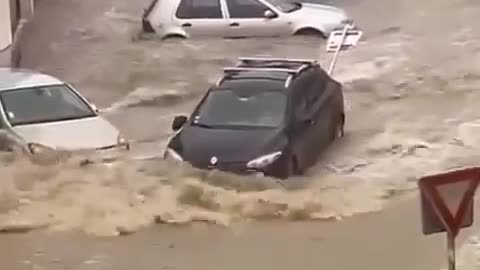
247,19
201,18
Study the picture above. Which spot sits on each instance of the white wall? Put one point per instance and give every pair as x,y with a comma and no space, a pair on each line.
5,24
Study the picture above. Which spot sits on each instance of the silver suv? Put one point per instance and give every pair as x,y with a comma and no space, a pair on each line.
240,18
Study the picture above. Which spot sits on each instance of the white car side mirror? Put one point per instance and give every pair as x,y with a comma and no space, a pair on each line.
269,14
94,107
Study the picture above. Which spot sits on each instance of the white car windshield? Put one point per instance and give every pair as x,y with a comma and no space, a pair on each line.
285,5
43,104
230,108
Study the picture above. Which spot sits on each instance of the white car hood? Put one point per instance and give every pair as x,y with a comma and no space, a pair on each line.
320,13
322,7
87,133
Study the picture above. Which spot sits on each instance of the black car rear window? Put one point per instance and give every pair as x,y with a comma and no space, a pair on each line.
242,108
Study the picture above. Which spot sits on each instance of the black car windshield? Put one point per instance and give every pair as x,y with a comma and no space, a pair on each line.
242,108
285,5
43,104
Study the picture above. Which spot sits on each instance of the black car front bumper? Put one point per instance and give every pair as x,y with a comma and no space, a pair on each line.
238,168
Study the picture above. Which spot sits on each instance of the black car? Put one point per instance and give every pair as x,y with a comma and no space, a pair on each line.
266,115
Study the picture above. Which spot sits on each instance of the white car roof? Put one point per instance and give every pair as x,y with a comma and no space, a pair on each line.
11,78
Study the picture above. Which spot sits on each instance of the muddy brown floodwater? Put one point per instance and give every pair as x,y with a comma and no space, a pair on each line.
410,89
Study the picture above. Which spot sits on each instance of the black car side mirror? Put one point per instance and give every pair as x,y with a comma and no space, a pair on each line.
178,122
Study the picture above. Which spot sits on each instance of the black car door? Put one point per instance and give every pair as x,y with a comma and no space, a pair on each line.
319,104
317,111
299,130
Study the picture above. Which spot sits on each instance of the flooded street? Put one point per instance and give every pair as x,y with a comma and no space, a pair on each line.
410,89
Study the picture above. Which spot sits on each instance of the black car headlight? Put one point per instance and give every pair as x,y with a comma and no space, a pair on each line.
171,154
264,160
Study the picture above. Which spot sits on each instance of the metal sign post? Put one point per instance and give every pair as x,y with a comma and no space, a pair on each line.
451,251
341,40
447,204
339,48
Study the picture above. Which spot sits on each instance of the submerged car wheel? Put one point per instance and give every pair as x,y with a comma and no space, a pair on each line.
174,37
290,168
309,32
337,129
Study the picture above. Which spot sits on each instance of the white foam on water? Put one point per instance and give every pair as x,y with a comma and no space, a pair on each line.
106,200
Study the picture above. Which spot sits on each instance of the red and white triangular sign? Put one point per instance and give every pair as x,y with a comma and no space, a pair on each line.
451,194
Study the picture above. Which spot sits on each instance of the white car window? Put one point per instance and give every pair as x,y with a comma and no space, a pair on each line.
246,9
199,9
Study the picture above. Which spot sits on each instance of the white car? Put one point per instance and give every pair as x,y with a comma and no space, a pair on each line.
240,18
39,112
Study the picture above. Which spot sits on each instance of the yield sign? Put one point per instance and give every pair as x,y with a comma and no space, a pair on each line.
451,195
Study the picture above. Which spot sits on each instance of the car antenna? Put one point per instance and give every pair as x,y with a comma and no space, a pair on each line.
342,40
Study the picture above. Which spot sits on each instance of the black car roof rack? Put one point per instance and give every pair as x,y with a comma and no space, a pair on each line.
228,70
303,64
279,60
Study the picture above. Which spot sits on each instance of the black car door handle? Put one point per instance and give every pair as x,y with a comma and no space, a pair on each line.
308,122
186,24
234,24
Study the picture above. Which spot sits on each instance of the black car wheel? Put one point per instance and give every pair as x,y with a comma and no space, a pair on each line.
337,129
310,32
174,37
288,167
292,168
